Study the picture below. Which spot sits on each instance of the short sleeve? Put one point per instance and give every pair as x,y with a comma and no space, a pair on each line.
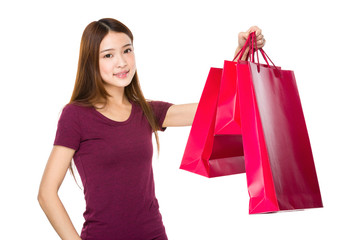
160,110
68,132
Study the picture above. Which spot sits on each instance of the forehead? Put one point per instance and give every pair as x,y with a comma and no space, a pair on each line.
114,40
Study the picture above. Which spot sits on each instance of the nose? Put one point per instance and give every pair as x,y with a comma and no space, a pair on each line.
121,61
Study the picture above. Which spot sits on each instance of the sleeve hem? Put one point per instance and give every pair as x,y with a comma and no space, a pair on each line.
66,145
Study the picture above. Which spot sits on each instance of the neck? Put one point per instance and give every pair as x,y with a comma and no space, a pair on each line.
118,96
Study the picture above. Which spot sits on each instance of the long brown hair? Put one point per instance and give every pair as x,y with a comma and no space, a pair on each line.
89,88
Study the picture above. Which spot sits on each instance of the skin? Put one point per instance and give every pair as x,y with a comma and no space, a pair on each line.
242,38
116,55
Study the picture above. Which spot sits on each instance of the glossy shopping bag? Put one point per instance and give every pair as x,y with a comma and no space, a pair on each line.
206,154
280,169
228,117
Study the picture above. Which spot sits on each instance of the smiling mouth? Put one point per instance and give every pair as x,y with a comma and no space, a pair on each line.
122,74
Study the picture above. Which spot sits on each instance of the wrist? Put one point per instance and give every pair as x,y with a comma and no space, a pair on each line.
238,48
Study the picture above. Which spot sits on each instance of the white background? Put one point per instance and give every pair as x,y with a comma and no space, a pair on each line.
176,43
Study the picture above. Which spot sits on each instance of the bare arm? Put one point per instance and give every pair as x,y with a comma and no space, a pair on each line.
180,115
48,198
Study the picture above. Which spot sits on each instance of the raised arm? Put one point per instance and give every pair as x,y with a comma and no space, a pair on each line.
180,115
48,198
183,115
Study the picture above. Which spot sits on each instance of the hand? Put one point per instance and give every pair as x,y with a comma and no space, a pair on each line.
243,36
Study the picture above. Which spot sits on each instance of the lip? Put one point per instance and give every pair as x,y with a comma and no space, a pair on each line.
122,74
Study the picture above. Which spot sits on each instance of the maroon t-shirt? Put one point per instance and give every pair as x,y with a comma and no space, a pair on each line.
114,161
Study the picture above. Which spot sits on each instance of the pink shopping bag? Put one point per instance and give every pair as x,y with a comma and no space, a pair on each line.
228,117
205,153
280,169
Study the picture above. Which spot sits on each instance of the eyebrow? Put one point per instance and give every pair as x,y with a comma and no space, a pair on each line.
111,49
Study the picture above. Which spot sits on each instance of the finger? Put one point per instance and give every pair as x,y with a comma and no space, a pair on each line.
242,38
252,29
255,29
260,37
258,32
243,35
261,43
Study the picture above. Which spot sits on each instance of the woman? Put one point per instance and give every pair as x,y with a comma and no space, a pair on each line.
107,129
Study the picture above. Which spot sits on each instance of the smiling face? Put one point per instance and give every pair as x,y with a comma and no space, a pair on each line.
117,60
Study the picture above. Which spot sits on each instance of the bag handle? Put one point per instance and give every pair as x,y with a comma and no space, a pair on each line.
265,56
241,52
251,42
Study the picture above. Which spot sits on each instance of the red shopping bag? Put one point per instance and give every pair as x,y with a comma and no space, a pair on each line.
228,117
279,163
205,153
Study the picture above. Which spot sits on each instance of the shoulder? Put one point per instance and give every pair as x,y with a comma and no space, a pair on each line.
73,111
75,107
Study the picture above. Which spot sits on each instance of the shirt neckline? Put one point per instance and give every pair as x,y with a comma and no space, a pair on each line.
114,122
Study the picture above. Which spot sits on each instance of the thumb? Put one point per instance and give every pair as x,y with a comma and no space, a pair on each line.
246,35
254,29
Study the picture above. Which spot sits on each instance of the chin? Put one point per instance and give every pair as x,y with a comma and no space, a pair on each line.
117,84
122,84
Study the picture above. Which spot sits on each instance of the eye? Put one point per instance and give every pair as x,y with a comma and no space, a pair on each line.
128,50
109,55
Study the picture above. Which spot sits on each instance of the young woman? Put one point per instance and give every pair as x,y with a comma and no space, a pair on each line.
107,129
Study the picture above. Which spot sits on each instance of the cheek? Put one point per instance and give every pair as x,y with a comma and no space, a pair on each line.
105,68
133,62
133,66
